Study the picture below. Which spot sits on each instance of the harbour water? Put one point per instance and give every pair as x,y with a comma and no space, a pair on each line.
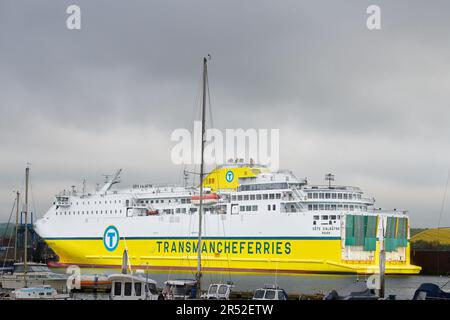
403,287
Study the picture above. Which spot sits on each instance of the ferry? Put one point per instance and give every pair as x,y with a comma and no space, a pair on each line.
242,217
254,221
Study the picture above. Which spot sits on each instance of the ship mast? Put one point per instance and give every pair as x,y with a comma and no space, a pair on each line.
17,225
25,265
200,213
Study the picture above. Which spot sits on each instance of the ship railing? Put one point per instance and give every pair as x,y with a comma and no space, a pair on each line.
388,211
367,200
332,187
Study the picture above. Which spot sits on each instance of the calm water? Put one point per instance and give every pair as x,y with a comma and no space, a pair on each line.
401,286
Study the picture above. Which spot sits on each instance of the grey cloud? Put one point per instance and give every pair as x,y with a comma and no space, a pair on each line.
369,106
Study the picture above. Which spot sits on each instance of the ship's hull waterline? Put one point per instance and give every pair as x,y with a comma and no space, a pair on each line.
306,256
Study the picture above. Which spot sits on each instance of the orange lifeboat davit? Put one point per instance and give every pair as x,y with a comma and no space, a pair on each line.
209,198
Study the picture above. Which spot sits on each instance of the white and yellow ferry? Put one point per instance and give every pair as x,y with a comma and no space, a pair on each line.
254,221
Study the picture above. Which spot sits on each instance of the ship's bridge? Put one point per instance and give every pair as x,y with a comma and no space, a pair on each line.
230,176
227,177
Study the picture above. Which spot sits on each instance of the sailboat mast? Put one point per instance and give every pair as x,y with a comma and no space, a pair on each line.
25,265
200,211
17,225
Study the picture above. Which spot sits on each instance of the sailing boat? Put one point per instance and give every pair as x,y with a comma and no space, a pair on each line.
181,289
28,274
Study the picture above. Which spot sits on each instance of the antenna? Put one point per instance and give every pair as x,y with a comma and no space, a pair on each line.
329,177
84,187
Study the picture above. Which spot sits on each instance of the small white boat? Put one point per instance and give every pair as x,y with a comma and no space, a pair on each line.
133,287
44,292
35,275
270,292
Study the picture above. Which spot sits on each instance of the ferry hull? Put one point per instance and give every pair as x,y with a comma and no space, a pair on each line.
244,255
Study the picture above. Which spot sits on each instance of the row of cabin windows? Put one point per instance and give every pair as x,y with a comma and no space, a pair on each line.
255,208
264,196
127,288
99,202
326,217
248,208
263,186
183,200
329,195
335,207
87,212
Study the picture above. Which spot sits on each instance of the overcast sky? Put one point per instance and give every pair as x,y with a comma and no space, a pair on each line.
372,107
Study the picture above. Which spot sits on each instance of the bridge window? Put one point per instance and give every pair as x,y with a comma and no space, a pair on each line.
137,288
118,288
127,291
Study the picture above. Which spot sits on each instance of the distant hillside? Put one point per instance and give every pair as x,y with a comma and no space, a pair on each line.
432,239
414,231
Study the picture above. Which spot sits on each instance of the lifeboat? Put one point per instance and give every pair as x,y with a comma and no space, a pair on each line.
152,212
210,198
